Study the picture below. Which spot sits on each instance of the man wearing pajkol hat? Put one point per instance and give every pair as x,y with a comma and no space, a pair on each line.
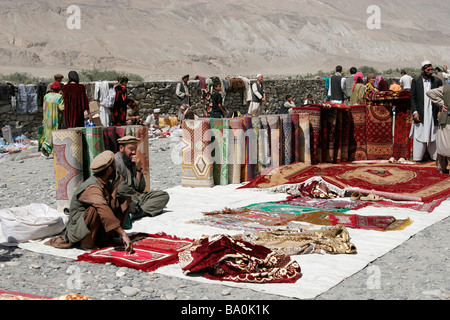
144,203
58,78
424,112
97,212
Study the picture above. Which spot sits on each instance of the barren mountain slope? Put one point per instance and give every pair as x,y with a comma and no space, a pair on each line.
162,39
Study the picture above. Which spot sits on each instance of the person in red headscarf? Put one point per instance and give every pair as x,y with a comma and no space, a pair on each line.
75,102
53,107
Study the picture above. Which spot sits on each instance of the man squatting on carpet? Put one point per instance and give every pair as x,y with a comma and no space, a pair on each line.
98,210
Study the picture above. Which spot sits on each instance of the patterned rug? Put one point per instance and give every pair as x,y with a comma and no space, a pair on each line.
197,163
392,181
314,113
219,146
380,223
68,164
151,251
237,150
402,145
93,145
275,140
342,203
224,258
256,217
357,135
251,150
286,140
379,132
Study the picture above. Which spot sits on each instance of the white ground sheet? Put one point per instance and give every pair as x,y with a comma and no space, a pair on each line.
320,272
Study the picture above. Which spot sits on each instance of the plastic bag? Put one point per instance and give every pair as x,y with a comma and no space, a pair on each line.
32,222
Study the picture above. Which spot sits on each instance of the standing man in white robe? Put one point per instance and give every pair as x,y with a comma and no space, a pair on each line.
424,127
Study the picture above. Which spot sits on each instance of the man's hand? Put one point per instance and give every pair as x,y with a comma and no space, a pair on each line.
125,239
127,243
416,117
137,162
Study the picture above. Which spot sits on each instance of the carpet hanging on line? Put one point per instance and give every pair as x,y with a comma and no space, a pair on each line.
151,251
221,257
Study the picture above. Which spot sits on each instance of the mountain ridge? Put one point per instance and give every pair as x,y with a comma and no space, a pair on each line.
163,39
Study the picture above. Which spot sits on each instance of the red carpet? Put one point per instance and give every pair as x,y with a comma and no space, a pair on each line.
393,181
151,251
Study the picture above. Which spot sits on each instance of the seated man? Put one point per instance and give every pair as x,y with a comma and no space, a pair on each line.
133,117
96,212
152,120
133,184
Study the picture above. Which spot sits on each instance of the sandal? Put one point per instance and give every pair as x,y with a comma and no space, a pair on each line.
372,197
355,196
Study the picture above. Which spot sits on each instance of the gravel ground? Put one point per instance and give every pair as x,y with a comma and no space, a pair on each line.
416,270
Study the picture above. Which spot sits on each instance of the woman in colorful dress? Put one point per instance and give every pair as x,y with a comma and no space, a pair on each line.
119,109
369,88
53,106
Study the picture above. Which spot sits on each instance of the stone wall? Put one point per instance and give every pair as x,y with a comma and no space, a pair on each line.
161,94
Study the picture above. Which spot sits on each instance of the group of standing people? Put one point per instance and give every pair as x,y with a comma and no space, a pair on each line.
358,89
63,107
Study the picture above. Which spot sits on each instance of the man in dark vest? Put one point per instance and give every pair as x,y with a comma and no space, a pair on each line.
424,113
336,92
129,166
258,97
183,97
97,212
